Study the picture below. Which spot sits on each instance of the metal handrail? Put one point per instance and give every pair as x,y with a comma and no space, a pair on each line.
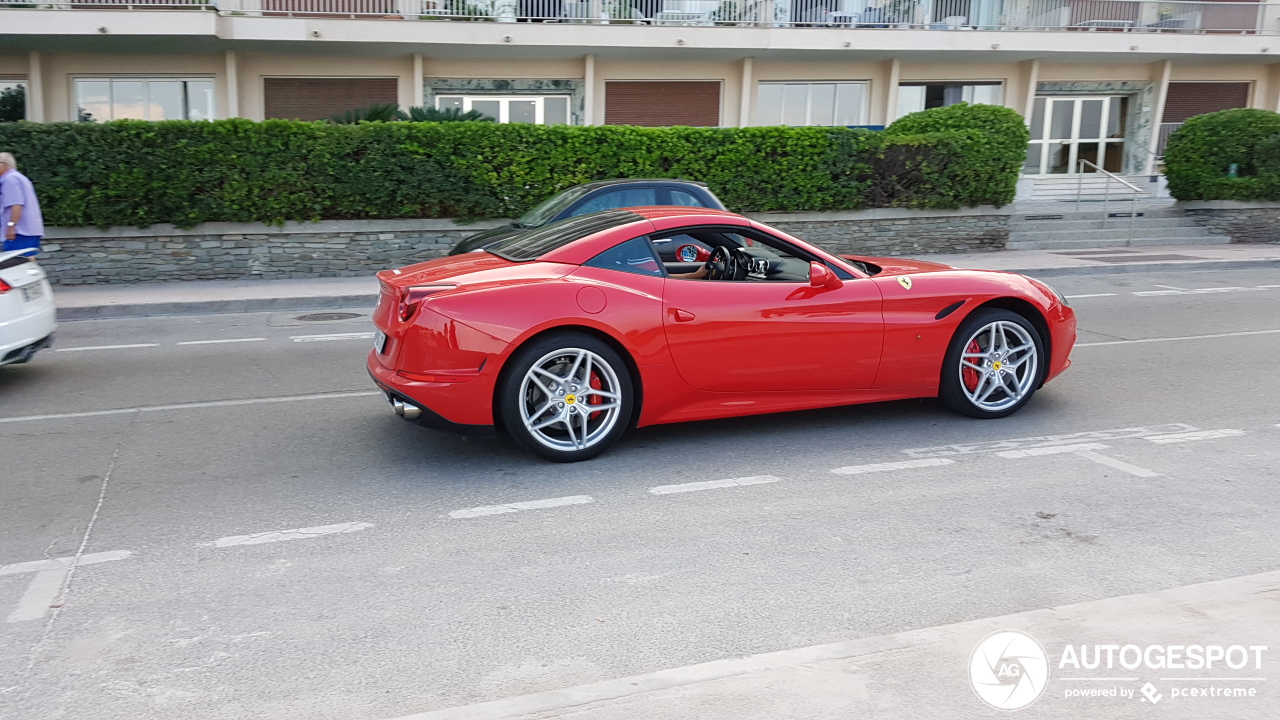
1106,193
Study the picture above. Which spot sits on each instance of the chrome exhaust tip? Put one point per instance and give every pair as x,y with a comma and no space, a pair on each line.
410,412
398,406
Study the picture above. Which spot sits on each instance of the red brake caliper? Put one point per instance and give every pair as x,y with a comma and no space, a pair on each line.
595,399
971,376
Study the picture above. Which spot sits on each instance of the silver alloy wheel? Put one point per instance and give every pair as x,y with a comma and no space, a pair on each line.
570,399
994,374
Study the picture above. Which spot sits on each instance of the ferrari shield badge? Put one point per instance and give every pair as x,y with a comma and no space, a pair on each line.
904,281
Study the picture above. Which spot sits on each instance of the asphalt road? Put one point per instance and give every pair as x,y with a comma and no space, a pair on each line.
399,597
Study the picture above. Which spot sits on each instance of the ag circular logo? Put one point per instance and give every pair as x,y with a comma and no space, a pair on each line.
1008,670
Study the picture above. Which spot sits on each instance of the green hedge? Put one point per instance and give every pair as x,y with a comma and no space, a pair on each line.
139,173
1199,154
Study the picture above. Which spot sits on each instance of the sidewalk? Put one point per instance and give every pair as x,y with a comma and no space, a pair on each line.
924,674
230,296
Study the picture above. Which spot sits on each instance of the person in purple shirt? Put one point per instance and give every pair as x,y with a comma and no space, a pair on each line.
19,208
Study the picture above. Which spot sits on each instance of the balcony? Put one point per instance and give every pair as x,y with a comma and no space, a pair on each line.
1122,16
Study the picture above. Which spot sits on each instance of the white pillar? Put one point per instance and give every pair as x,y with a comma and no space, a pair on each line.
1033,83
589,90
1163,71
231,103
35,88
419,93
891,91
748,86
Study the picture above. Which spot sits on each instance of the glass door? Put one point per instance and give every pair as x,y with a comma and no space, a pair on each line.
1067,130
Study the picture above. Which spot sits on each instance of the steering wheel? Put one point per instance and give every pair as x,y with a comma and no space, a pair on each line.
722,265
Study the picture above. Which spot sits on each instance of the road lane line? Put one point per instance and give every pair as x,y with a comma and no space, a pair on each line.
1184,337
62,562
217,342
1051,450
1198,291
518,506
711,484
107,347
333,336
1077,297
50,574
1117,464
1046,440
294,534
191,405
1190,436
885,467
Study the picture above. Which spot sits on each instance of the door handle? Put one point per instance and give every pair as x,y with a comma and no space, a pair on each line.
681,315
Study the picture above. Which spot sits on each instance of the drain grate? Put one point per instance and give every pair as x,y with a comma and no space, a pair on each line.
322,317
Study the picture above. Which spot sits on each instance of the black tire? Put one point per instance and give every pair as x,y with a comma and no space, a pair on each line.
953,388
519,394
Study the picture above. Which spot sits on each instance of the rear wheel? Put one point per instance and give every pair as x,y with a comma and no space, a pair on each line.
993,366
567,397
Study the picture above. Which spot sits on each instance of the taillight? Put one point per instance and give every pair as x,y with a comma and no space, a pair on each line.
413,297
5,287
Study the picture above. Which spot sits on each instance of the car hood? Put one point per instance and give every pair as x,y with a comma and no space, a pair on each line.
481,239
899,266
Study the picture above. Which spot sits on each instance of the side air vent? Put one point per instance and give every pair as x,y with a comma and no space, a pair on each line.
948,310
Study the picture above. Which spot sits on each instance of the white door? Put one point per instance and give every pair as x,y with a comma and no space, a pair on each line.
1068,130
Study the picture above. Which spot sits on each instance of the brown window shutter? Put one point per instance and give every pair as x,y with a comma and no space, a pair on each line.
318,98
1188,99
661,104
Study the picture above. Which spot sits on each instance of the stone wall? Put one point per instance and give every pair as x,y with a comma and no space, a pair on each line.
1243,222
219,251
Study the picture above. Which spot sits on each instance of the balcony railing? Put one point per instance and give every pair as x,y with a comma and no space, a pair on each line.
1132,16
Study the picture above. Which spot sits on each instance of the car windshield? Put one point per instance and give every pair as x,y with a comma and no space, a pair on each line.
549,208
536,243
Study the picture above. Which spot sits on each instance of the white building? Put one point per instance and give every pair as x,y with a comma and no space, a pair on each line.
1101,81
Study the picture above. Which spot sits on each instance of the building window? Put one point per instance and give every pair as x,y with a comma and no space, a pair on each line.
532,109
13,99
914,97
662,103
811,103
104,99
318,98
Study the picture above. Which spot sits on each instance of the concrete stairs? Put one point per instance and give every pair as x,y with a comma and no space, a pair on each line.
1059,226
1090,188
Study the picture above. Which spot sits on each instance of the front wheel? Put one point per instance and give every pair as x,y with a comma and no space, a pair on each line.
567,397
993,366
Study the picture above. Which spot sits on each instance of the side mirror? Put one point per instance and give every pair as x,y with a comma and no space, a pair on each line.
821,276
692,253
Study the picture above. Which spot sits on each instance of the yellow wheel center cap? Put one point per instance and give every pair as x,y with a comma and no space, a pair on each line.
571,399
997,365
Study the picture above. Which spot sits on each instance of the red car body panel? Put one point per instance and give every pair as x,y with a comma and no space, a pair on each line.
698,349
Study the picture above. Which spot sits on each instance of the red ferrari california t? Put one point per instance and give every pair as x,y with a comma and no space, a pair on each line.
566,336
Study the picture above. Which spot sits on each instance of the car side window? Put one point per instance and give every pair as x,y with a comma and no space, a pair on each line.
685,199
633,256
614,199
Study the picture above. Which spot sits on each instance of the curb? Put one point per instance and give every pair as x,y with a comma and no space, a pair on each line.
1124,269
213,307
326,302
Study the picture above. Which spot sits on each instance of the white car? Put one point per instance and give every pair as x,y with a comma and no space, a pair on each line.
26,308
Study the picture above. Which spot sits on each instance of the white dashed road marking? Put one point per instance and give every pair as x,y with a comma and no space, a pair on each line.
1197,435
219,342
191,405
1051,450
334,336
1197,291
1117,464
712,484
106,347
50,574
884,467
1090,295
518,506
1046,440
1185,337
294,534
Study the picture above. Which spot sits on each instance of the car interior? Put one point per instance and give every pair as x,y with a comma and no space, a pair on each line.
734,255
